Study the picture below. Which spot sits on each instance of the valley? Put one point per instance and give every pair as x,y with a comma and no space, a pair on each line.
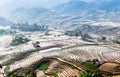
70,51
63,38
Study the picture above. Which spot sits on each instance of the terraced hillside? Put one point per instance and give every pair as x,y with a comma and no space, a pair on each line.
75,56
73,51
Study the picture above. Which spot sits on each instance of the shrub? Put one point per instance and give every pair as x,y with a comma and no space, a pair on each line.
90,65
43,66
88,73
19,40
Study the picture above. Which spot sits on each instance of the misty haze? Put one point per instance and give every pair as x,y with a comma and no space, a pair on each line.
59,38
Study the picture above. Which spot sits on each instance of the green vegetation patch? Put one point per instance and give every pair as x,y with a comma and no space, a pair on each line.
30,27
7,70
13,75
55,75
44,65
90,65
88,73
28,74
19,39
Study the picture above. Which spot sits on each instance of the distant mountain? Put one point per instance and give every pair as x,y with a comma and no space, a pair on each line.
112,5
32,11
72,6
4,22
38,10
82,6
71,14
26,14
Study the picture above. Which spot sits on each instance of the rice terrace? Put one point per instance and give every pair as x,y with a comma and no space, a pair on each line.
63,38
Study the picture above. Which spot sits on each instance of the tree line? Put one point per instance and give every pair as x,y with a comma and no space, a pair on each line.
29,27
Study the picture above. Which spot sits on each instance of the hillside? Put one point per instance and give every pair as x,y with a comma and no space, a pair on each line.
60,38
4,22
71,14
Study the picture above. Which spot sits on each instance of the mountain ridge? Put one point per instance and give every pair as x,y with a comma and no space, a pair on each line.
70,14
